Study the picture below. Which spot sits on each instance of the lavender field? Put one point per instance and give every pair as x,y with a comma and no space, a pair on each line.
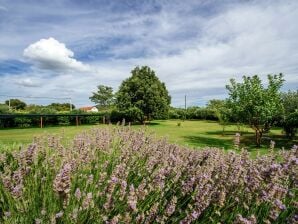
119,175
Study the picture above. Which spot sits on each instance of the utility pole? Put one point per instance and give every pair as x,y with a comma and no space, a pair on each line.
9,104
185,107
70,106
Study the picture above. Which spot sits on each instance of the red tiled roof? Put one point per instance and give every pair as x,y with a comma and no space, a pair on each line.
86,108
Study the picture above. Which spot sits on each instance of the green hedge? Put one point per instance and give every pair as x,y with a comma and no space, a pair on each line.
11,122
195,113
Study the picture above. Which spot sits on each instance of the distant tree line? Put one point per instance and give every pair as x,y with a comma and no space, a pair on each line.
16,105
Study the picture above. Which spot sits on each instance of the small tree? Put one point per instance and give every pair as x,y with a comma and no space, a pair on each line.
16,104
256,105
221,111
143,95
104,96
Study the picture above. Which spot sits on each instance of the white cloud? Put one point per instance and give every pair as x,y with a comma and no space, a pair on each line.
53,55
27,82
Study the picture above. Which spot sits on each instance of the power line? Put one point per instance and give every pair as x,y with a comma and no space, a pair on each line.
39,97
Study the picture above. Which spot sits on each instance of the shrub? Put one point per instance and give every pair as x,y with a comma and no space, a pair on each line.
290,124
118,175
63,120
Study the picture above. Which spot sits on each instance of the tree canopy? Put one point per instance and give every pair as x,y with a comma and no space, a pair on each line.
103,97
16,104
252,103
290,121
61,106
143,95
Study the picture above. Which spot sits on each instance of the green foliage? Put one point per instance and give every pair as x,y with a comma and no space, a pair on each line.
290,104
143,95
33,108
4,109
61,106
290,124
290,101
22,122
42,110
221,111
192,113
104,96
252,103
16,104
63,120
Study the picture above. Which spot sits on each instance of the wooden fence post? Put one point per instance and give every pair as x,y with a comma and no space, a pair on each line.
77,120
41,122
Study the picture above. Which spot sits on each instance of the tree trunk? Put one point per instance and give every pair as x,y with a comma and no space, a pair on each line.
258,137
223,130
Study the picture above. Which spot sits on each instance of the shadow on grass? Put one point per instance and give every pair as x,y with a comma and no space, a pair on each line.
152,123
220,133
201,141
280,141
247,141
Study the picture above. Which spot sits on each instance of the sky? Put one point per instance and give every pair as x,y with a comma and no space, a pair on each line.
66,48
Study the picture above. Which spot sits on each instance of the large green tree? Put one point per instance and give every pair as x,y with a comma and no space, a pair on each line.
255,104
103,97
16,104
143,95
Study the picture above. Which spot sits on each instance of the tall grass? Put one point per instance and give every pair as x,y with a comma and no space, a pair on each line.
119,175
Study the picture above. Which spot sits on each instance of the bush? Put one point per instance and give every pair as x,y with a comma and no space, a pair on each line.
290,125
63,120
22,122
93,119
120,175
193,113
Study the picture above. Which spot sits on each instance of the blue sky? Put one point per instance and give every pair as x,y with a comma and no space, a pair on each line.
65,48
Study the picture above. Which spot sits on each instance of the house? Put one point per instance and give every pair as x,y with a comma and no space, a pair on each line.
89,109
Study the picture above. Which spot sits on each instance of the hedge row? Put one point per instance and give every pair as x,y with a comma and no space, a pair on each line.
47,121
192,113
113,116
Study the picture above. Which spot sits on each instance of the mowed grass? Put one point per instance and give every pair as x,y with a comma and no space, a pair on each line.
190,133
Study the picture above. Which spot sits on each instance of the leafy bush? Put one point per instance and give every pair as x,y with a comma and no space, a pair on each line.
4,109
93,119
22,122
63,120
123,176
193,113
290,125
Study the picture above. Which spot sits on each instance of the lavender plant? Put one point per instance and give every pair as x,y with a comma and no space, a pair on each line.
117,175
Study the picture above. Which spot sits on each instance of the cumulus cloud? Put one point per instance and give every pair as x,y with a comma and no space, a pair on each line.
53,55
27,82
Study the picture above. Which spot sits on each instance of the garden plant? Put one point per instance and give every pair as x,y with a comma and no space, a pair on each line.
120,175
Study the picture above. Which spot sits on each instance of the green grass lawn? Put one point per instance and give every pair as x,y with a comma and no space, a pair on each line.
189,133
209,133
